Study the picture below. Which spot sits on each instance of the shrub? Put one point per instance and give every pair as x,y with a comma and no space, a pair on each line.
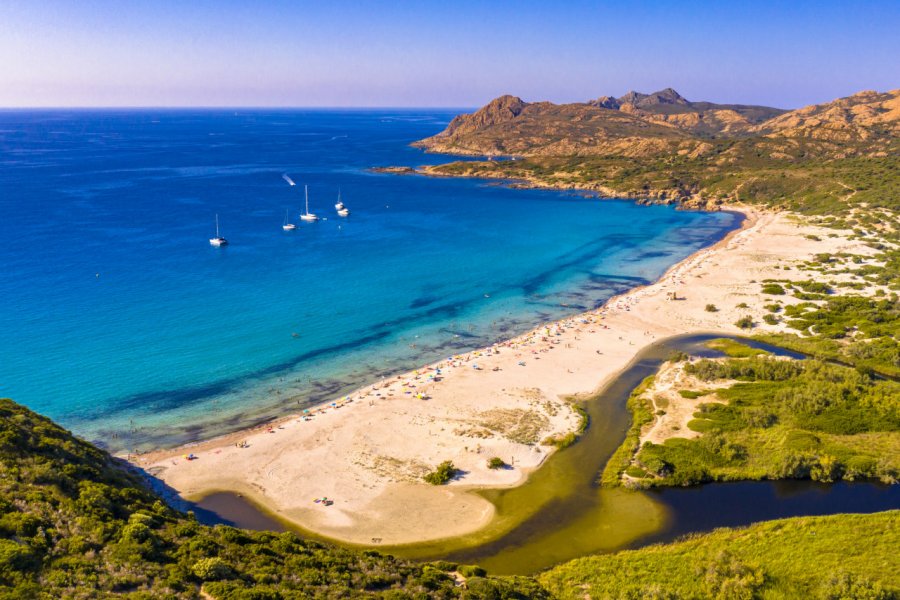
471,571
496,463
745,322
442,474
773,289
770,319
711,308
560,441
211,569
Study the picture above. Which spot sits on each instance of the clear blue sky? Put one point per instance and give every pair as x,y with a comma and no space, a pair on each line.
447,53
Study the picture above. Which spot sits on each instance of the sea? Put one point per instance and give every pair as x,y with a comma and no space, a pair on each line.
119,320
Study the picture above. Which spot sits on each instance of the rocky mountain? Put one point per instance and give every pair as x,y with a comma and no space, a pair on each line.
636,124
664,123
858,118
509,126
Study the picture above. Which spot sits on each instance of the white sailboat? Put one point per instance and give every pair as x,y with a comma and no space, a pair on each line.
288,226
218,240
342,210
307,216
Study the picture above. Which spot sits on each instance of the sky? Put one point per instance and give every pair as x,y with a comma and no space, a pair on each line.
450,53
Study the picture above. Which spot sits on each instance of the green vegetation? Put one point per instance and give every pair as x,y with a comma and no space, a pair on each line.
562,441
711,308
773,289
641,410
749,171
821,558
784,419
442,474
496,463
734,348
856,330
745,322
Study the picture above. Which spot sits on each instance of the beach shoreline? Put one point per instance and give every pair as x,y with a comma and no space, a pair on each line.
367,452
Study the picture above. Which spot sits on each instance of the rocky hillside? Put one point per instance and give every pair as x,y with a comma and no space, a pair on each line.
508,125
863,121
665,123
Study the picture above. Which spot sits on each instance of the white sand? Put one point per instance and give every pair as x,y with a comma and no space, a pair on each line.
368,455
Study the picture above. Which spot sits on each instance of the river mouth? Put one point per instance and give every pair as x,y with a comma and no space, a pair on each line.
562,513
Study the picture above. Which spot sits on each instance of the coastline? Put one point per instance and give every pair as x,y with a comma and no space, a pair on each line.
381,497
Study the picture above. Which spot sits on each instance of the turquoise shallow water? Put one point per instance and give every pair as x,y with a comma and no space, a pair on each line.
119,320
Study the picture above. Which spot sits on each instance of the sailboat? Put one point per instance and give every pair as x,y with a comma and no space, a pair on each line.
288,226
218,240
307,216
342,210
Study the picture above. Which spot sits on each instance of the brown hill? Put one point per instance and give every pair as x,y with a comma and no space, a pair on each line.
664,122
857,118
510,126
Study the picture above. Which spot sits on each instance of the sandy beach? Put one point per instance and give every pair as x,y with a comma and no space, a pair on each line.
367,452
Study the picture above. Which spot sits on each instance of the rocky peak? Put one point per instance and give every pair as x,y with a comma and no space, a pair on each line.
606,102
498,110
666,96
632,97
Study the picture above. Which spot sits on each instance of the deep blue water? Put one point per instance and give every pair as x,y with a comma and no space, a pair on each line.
119,320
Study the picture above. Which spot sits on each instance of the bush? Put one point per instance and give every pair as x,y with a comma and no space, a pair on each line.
496,463
773,288
745,322
560,441
444,473
211,569
471,571
771,319
711,308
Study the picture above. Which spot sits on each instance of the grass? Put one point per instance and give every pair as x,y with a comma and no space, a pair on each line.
840,556
734,348
641,409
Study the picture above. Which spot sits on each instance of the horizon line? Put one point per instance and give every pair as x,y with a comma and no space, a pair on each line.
233,107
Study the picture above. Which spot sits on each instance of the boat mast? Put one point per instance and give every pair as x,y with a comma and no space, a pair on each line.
217,224
306,193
